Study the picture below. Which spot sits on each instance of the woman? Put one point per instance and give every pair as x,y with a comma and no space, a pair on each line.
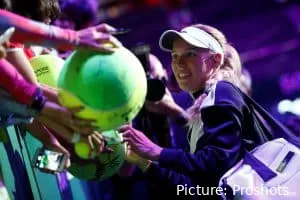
221,122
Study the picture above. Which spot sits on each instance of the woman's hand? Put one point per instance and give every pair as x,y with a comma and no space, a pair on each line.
57,147
97,142
95,139
48,139
97,38
67,118
140,144
64,132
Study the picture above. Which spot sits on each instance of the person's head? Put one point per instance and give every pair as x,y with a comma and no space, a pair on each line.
231,70
78,13
40,10
197,55
64,21
5,4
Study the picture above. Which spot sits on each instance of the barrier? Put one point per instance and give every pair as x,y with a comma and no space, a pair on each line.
23,182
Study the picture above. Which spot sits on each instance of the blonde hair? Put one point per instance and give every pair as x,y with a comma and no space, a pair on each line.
220,37
230,70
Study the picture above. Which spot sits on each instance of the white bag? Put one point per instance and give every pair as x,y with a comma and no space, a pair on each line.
271,171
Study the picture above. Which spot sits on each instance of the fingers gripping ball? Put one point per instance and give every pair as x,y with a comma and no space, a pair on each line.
104,165
111,87
47,68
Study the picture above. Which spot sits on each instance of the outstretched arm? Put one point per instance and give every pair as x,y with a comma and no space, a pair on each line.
12,81
33,32
216,150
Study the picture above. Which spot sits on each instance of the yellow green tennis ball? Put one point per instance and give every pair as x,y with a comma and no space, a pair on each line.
104,165
83,150
111,87
47,68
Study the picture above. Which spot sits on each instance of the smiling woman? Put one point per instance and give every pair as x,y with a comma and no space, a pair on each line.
194,65
222,122
188,75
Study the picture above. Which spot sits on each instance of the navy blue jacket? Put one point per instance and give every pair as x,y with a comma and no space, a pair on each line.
230,124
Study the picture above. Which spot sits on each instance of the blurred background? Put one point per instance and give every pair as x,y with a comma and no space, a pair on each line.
265,32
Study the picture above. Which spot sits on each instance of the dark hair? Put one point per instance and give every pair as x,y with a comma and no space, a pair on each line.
81,12
37,9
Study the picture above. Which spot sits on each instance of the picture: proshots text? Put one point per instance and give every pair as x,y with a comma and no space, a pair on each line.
206,191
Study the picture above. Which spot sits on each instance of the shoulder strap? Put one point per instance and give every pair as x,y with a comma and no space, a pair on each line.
278,129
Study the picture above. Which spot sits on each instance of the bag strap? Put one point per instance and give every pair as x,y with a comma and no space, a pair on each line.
278,129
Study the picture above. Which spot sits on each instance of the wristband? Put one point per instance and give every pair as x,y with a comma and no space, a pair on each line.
39,101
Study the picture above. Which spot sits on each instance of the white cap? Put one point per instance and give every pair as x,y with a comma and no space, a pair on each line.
192,35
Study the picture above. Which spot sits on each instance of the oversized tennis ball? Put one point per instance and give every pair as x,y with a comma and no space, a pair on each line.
47,68
111,87
104,165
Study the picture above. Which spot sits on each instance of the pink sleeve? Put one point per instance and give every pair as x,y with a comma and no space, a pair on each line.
12,81
33,32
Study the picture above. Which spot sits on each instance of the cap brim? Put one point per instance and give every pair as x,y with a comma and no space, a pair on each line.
167,39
